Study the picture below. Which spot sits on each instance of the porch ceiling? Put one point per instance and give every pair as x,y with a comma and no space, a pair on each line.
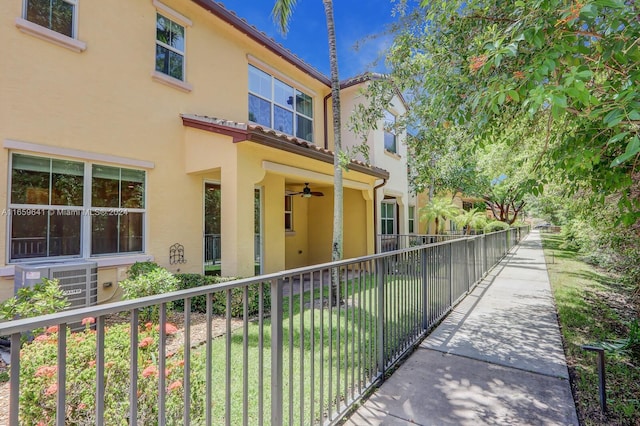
240,132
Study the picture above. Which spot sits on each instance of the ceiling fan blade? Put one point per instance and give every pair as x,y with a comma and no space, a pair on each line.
317,194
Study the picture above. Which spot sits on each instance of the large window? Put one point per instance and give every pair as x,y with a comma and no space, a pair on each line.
275,104
389,132
117,203
169,47
52,199
388,217
56,15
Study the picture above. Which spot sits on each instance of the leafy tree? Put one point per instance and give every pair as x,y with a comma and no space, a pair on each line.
282,11
438,210
571,68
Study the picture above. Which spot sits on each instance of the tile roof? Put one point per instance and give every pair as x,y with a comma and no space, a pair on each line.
266,136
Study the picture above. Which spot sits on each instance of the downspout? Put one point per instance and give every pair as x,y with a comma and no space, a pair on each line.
326,130
375,216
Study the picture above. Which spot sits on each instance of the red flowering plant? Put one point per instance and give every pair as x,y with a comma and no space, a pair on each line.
39,386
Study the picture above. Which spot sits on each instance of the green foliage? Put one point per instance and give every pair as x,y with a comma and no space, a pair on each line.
629,345
156,281
553,79
141,268
438,210
43,298
472,219
219,298
496,226
38,386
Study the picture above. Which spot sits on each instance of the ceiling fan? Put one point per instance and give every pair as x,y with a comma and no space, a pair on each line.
307,192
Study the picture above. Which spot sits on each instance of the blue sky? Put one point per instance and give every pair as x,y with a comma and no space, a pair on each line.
355,20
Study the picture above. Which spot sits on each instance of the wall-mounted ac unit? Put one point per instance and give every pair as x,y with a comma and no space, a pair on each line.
77,279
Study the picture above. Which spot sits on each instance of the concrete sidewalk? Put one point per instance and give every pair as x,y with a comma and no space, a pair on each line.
496,359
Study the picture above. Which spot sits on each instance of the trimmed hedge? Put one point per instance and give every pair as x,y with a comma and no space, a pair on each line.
496,226
219,305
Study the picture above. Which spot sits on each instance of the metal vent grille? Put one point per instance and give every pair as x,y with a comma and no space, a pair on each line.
78,280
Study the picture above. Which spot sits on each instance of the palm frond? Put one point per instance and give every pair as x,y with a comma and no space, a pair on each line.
281,14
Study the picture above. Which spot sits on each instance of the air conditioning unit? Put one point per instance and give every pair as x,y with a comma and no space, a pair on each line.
77,279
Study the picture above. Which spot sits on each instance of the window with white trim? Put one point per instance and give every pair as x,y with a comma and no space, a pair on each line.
53,202
277,105
288,213
412,217
389,132
388,217
169,47
56,15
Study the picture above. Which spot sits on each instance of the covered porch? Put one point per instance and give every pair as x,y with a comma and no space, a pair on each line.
261,220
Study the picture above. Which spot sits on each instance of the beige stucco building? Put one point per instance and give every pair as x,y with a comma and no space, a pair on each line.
174,131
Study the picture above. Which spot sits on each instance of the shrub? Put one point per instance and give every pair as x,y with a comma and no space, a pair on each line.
141,268
496,226
43,298
219,305
185,281
39,387
156,281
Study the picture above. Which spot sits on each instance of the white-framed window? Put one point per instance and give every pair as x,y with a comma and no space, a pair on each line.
288,213
277,105
64,208
412,217
57,15
388,217
170,45
389,132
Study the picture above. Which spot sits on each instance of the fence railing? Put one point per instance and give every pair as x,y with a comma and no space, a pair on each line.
213,248
281,353
391,242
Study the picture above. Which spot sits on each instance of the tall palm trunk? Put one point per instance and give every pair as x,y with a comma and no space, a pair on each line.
336,246
282,11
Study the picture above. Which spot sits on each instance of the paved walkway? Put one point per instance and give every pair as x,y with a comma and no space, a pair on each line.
496,359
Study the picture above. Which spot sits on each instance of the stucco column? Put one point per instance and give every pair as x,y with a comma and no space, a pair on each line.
371,225
237,218
273,233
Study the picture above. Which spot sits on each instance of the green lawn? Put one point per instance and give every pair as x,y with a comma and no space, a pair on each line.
594,307
342,360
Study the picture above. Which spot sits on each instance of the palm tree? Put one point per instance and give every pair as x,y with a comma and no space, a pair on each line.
438,209
282,11
472,219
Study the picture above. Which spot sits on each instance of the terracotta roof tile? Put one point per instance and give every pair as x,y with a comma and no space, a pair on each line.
219,125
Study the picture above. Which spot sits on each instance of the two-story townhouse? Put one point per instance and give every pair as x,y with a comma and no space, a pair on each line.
170,131
395,204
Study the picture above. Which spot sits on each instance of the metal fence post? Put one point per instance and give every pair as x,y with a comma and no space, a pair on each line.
602,387
382,358
485,255
277,382
450,274
466,264
425,289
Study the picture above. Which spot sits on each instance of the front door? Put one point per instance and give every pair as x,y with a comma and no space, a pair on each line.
212,240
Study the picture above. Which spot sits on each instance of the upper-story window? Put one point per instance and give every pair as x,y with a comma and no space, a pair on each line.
56,15
275,104
389,132
169,47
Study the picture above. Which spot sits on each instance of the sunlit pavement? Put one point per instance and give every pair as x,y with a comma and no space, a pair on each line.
496,359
